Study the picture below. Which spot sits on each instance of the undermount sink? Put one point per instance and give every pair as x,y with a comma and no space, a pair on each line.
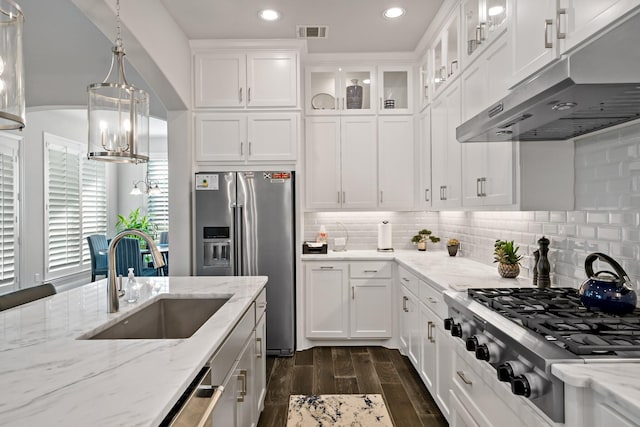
166,318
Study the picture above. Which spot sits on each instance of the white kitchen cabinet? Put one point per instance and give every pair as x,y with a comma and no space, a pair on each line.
246,138
410,325
341,162
428,362
326,90
487,167
424,194
460,417
260,365
348,300
240,80
446,59
395,89
482,22
246,398
424,85
396,157
326,300
445,149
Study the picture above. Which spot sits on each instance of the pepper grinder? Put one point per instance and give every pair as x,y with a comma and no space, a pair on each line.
536,258
543,266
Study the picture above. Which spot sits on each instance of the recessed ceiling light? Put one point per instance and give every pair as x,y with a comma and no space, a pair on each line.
393,12
269,14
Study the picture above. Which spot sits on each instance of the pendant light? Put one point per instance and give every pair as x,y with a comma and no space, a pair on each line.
118,114
150,187
12,113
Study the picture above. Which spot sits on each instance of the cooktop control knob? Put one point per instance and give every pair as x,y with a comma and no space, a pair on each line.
511,369
456,330
474,341
489,352
448,322
529,385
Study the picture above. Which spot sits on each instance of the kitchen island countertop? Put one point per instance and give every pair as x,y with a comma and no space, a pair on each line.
50,377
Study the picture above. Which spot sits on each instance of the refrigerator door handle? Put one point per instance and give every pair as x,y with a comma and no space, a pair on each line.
239,234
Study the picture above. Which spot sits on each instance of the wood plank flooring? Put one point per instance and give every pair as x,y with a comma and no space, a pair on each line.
350,370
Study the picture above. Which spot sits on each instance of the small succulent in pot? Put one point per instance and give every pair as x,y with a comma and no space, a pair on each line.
506,255
452,246
420,239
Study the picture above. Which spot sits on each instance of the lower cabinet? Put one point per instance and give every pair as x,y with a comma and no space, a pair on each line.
260,367
348,300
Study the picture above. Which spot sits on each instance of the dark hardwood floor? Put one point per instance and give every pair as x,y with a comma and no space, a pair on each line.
350,370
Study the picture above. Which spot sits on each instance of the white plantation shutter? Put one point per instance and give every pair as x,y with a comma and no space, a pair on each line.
75,199
8,211
158,206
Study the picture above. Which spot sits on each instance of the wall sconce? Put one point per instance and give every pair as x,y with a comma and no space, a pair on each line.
118,114
12,101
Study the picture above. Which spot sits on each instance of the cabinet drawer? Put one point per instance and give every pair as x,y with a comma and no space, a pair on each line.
371,269
261,304
408,280
227,354
432,299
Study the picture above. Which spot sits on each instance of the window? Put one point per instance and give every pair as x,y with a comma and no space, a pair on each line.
8,211
158,205
75,203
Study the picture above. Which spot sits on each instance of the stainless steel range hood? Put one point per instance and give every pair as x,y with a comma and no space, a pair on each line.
594,88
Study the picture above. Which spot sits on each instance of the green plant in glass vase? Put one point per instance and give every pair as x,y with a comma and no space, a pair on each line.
137,221
505,253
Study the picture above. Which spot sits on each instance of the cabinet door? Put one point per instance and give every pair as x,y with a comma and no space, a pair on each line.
272,79
428,349
438,151
226,413
404,323
444,361
370,308
220,137
415,331
349,79
395,90
272,137
453,190
359,162
582,19
326,300
246,394
460,417
533,35
260,366
396,156
219,80
424,190
322,147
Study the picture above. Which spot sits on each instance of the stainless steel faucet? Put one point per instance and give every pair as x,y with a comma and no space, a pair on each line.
112,289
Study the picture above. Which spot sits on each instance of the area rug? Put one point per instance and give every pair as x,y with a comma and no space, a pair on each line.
340,410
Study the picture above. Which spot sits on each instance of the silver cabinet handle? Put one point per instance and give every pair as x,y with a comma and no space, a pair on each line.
464,378
258,348
329,267
483,186
432,339
381,198
242,377
547,25
240,96
241,148
262,305
371,271
478,187
344,197
249,96
249,147
426,195
560,34
404,279
404,304
338,197
429,325
353,292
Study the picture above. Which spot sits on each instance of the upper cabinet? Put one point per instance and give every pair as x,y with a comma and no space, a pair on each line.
259,79
446,59
340,90
425,82
542,30
482,22
396,93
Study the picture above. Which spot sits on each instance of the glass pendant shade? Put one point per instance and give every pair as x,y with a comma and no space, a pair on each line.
12,102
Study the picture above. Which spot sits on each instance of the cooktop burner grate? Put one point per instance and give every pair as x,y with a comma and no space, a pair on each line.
558,315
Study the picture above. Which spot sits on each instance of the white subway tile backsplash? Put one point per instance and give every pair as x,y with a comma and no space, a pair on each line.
609,233
598,218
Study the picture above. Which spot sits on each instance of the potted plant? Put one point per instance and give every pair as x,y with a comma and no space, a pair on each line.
420,239
137,221
452,246
506,255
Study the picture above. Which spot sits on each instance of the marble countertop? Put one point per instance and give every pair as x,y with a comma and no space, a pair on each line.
436,267
50,377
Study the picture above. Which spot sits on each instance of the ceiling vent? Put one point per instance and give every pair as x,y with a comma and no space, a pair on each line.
312,31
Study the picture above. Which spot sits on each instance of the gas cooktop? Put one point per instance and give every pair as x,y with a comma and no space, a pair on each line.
558,315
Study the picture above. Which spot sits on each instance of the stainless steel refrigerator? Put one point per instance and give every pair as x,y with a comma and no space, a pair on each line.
245,227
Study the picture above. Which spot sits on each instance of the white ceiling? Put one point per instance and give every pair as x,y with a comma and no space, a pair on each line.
354,25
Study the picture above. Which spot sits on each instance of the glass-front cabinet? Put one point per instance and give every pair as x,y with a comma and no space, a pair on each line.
395,89
446,60
424,89
482,22
340,90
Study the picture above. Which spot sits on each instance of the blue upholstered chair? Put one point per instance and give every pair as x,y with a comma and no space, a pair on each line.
164,241
128,255
98,248
164,238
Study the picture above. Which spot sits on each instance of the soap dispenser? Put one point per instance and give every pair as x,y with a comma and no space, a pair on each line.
132,290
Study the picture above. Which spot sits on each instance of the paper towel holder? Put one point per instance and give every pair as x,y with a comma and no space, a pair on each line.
383,249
